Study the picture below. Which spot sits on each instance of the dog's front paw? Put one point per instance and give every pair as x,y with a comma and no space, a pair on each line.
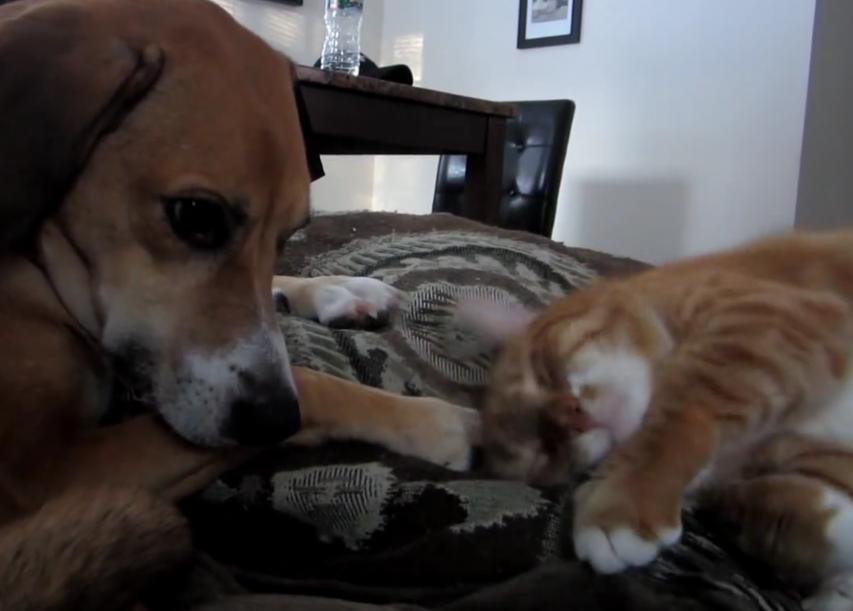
616,528
342,301
443,433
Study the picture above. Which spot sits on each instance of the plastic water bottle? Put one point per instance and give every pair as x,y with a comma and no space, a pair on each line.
342,46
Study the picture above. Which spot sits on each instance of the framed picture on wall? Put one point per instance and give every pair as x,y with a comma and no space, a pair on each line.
544,23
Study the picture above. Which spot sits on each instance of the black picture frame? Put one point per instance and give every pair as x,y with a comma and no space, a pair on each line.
291,2
549,41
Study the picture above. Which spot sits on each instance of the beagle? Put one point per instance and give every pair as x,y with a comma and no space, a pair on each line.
152,166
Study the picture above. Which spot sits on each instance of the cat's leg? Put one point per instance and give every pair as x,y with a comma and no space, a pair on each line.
631,507
754,359
792,508
800,526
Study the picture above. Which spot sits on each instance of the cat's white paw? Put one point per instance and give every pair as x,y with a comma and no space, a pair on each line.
342,301
614,531
612,551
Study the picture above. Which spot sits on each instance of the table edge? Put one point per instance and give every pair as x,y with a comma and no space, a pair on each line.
421,95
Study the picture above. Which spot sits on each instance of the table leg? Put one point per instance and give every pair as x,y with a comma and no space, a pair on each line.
484,176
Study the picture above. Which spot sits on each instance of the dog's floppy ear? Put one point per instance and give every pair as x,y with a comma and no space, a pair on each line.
66,81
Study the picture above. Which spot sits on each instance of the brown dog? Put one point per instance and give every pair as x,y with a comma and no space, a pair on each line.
151,167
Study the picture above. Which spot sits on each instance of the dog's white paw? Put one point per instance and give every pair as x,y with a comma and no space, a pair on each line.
341,301
442,433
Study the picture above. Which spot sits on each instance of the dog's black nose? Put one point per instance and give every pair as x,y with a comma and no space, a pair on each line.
268,415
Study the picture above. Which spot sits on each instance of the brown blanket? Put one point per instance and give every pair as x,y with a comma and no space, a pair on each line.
352,522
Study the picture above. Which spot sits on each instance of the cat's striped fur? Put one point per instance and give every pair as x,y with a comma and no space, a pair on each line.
728,375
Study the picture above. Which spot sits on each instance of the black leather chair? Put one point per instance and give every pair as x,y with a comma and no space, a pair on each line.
536,142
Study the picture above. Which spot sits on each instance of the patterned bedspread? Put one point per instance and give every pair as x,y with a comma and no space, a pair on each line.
312,528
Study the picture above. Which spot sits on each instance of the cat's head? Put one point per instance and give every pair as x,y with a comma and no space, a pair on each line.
569,384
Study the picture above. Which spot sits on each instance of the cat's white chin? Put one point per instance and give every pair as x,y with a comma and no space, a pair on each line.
590,447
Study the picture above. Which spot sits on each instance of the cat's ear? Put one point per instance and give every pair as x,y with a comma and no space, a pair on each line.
491,323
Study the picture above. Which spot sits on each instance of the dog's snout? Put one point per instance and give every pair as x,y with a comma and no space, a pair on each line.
267,414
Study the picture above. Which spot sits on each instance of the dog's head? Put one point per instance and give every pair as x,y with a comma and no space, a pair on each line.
151,151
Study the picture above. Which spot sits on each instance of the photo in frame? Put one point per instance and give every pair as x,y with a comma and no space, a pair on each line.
544,23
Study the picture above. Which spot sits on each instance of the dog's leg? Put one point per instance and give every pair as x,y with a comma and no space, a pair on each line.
424,427
90,549
143,453
338,301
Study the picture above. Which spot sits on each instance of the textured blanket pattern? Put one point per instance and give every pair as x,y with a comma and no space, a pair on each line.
423,352
350,521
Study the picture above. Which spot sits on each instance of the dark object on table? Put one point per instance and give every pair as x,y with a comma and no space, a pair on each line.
536,142
398,73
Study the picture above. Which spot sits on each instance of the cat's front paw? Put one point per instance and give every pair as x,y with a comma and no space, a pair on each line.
617,527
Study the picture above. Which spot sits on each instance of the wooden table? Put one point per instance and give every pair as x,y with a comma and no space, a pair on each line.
364,116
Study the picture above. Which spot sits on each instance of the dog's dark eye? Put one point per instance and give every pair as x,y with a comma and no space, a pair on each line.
204,224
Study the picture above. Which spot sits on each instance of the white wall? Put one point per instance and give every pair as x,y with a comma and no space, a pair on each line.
298,31
689,112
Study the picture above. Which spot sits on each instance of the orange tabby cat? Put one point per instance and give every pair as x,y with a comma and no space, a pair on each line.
727,374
